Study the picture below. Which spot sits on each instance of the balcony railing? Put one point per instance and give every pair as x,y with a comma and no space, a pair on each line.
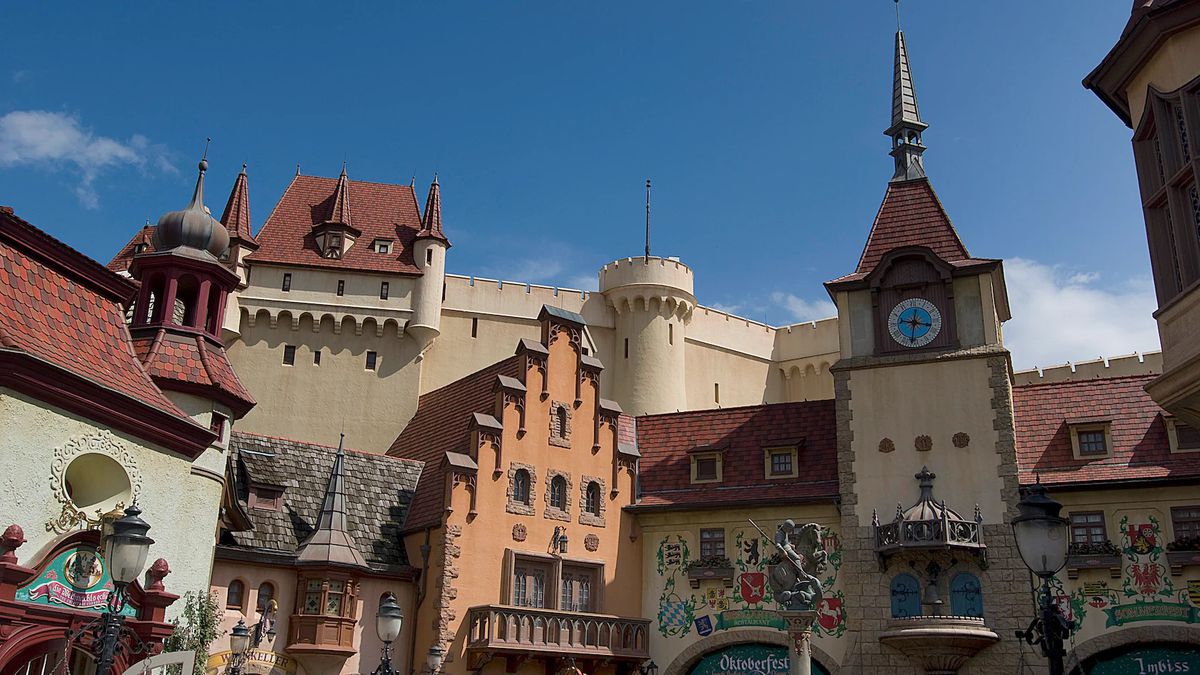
503,628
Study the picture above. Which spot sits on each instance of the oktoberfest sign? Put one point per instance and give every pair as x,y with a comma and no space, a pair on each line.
76,578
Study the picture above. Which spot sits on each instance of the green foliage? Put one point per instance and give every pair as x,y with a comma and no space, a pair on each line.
195,629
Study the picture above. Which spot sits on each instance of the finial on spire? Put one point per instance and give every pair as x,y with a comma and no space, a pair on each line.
204,156
897,14
243,168
906,127
647,259
297,168
435,178
343,168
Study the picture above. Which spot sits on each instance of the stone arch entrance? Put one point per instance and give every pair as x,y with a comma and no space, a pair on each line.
690,658
1120,650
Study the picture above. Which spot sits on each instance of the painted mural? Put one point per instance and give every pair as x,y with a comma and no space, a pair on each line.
76,578
739,596
1145,591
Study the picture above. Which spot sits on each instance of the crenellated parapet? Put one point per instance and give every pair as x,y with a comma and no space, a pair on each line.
661,285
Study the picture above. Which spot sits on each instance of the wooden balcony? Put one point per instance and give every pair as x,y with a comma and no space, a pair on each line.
520,633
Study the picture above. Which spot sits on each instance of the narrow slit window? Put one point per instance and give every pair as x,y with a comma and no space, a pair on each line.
626,347
670,333
317,357
287,282
341,287
428,257
289,355
372,360
383,290
474,327
717,393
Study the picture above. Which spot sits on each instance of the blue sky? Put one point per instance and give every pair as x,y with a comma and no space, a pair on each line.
759,122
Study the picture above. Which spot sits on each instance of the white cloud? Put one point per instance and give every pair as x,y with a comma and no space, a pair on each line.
56,141
20,76
584,282
1060,315
801,309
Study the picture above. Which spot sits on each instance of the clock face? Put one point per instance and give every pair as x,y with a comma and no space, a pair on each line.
914,322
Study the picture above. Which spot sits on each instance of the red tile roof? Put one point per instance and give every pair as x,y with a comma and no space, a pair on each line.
58,306
236,217
742,433
1141,450
431,226
380,211
911,215
124,257
440,425
173,359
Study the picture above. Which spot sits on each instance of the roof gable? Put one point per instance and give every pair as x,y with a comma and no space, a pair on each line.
911,215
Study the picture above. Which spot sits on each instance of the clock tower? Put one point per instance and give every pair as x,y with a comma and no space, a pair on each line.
923,385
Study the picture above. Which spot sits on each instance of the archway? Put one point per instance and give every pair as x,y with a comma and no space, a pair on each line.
1148,649
727,652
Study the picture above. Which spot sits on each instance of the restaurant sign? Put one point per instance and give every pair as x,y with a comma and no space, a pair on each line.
75,578
749,659
1150,661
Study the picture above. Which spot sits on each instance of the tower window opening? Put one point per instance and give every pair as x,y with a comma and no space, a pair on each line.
317,357
287,282
289,355
383,290
428,257
717,393
341,290
474,327
670,333
626,347
372,360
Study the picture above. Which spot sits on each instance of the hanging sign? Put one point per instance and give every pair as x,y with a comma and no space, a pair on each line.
257,661
1151,611
75,578
1150,661
749,659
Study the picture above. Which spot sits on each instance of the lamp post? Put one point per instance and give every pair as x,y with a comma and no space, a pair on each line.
125,551
239,644
433,660
388,621
649,668
1042,540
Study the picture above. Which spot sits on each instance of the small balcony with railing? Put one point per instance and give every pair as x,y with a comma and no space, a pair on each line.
521,633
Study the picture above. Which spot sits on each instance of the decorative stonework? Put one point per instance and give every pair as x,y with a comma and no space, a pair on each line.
585,517
445,616
552,512
887,445
923,443
560,424
961,440
519,533
515,506
591,543
98,442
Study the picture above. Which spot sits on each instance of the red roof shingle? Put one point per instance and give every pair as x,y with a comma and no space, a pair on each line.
911,215
124,257
742,433
191,360
380,211
1141,449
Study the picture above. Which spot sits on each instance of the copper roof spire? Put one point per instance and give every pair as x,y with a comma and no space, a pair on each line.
331,542
906,125
340,214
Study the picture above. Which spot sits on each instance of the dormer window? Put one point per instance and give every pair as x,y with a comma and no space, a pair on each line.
706,464
1183,438
140,248
1091,439
780,462
382,246
265,498
333,248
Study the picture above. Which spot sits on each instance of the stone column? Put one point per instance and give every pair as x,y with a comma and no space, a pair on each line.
799,629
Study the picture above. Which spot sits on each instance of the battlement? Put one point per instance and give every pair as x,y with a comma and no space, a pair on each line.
641,271
510,298
1128,365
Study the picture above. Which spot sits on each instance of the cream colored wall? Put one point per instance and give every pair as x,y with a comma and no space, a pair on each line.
1150,363
315,291
430,256
171,492
486,536
314,403
655,526
937,399
366,642
1173,65
1178,326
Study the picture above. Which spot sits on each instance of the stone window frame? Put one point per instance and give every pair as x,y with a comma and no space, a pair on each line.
560,437
514,505
587,517
1104,426
769,452
553,512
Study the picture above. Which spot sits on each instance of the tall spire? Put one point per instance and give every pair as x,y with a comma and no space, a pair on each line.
906,125
236,217
331,542
340,213
431,222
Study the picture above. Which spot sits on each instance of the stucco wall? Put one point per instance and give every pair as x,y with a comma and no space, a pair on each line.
168,490
1173,65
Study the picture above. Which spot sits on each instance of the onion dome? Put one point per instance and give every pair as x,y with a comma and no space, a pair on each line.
193,227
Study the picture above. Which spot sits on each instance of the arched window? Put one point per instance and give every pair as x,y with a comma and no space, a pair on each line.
266,593
521,486
560,421
592,503
906,596
235,596
558,492
966,595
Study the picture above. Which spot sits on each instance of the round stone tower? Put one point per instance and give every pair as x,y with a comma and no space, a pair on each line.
654,302
429,253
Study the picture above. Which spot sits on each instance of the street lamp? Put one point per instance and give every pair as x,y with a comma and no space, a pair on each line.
388,621
1043,542
239,644
649,668
125,551
433,660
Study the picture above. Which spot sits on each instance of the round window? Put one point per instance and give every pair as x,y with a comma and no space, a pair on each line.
97,483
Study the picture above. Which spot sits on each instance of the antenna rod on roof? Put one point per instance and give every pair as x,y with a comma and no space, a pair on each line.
647,259
207,141
897,14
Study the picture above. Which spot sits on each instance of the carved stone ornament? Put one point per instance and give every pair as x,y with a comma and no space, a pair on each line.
519,532
961,440
591,542
97,442
886,445
923,443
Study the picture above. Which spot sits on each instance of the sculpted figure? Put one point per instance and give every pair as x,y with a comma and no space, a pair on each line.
794,580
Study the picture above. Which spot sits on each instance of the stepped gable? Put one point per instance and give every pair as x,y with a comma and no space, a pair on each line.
664,442
380,211
440,425
64,311
1141,449
192,360
144,237
378,492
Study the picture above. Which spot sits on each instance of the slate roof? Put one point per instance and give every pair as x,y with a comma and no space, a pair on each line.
440,425
1141,449
742,433
379,490
66,310
380,211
